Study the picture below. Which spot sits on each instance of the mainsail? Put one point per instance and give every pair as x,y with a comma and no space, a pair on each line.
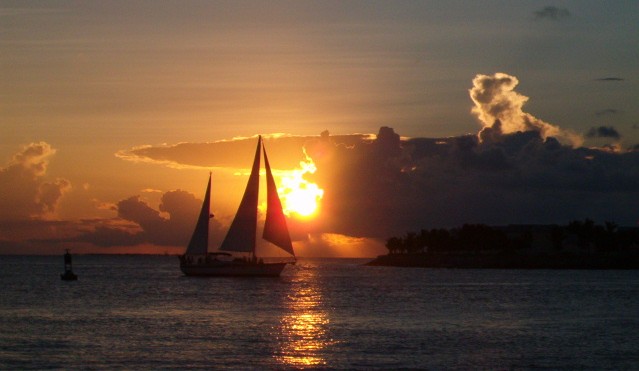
241,234
200,238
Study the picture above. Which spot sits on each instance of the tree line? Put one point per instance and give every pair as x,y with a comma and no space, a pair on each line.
588,235
584,235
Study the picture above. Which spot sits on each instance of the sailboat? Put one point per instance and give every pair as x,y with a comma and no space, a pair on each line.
241,237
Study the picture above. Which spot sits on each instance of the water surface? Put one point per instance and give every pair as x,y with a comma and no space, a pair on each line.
139,312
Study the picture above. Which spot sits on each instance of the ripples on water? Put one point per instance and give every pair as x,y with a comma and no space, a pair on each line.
138,312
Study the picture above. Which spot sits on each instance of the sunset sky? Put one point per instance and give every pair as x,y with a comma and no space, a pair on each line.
114,112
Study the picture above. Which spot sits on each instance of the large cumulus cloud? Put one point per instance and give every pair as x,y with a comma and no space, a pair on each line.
25,192
500,109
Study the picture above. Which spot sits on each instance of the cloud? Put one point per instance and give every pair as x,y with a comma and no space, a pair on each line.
149,225
137,227
606,112
610,79
553,13
40,236
433,182
603,132
500,110
108,233
26,194
237,153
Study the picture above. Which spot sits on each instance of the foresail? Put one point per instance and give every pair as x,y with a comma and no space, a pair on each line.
200,238
275,229
241,234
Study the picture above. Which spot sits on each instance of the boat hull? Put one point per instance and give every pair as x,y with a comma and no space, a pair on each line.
233,269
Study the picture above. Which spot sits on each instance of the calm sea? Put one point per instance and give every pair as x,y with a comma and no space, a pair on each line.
139,312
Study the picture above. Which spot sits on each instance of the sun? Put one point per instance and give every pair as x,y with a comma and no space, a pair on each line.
300,197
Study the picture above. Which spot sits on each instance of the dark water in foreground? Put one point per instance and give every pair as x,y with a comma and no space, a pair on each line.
138,312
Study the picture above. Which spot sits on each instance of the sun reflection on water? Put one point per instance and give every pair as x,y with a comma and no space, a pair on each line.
303,330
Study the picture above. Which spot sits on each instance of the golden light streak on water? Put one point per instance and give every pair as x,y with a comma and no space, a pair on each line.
303,331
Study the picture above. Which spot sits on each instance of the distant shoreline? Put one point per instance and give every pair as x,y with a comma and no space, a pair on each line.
564,260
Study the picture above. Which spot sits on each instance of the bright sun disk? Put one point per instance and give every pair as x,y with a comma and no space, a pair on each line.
298,195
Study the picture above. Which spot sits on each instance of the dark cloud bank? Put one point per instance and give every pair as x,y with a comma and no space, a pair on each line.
390,186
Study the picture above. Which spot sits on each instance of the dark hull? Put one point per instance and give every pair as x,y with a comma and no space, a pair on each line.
233,269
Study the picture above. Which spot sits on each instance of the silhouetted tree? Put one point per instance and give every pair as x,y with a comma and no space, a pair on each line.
393,245
480,237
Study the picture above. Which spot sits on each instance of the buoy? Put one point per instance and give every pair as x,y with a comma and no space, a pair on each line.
68,274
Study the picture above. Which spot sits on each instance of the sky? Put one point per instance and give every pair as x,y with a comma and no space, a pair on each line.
404,115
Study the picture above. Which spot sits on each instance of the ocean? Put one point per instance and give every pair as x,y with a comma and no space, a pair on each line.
141,313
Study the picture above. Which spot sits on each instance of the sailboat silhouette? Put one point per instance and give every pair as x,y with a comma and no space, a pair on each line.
241,237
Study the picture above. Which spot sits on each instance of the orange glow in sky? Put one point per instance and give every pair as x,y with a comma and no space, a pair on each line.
300,197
